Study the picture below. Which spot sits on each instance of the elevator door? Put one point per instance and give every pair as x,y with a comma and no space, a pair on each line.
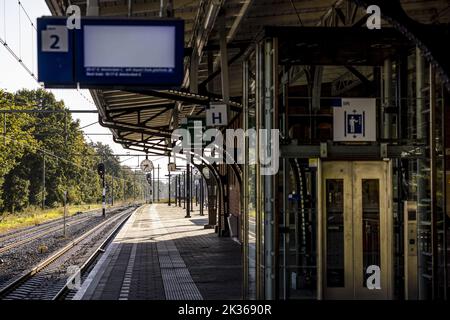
357,224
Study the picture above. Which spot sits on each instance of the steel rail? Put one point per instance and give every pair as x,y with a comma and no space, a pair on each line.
92,258
40,228
16,283
44,232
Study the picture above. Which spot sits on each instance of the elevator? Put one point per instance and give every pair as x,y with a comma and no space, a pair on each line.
355,217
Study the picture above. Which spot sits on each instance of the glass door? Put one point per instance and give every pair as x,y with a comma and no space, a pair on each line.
357,224
373,230
338,230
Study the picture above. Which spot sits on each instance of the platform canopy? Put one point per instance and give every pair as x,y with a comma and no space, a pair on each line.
144,119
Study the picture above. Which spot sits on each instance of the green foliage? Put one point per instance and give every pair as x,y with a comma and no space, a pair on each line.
19,126
17,189
54,141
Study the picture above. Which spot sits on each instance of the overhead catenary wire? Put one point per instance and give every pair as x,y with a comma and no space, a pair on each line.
91,124
33,29
27,15
32,55
18,56
5,136
11,51
85,98
48,153
20,36
4,19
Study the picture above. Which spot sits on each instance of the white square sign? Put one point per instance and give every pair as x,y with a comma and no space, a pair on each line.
355,119
217,115
55,39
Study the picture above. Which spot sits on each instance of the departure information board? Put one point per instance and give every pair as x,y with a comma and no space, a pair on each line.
107,53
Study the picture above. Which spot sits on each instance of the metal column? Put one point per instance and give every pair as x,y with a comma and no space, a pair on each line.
184,189
433,186
169,190
422,205
176,190
104,196
284,177
158,183
191,193
188,190
196,191
387,93
153,185
202,197
245,185
270,108
179,190
259,186
224,59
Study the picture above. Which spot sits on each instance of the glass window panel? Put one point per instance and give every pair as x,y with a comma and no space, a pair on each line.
251,185
335,232
370,224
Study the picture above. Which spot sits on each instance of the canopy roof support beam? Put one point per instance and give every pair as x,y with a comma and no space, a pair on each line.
184,96
224,59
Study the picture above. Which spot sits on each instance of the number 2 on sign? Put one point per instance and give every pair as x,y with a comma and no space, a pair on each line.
55,45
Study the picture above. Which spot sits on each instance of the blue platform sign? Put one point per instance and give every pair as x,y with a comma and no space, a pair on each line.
55,53
111,53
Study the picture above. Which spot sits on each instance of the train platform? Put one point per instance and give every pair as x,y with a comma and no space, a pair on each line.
161,255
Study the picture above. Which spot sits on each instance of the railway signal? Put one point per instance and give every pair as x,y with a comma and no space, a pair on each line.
101,172
148,177
101,169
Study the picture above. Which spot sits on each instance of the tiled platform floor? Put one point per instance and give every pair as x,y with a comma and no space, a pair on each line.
159,254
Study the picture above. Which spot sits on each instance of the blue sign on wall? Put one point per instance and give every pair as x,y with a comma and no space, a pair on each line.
107,53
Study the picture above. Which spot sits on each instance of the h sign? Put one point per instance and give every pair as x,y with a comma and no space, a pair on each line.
217,115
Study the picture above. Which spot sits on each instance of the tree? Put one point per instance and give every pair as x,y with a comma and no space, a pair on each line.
106,155
17,188
17,140
55,139
68,161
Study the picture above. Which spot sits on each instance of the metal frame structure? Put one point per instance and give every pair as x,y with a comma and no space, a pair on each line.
221,36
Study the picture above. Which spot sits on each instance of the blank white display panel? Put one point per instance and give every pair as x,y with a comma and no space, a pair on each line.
129,46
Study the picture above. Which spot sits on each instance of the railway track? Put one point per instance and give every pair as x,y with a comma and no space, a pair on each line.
20,237
39,234
48,280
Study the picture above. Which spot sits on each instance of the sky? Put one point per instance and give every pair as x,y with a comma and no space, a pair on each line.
17,31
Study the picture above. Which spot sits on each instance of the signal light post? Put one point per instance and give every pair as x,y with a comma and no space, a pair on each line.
149,180
158,183
101,172
169,190
188,191
153,186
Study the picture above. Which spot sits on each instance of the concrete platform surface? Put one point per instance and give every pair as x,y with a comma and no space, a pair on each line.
159,254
